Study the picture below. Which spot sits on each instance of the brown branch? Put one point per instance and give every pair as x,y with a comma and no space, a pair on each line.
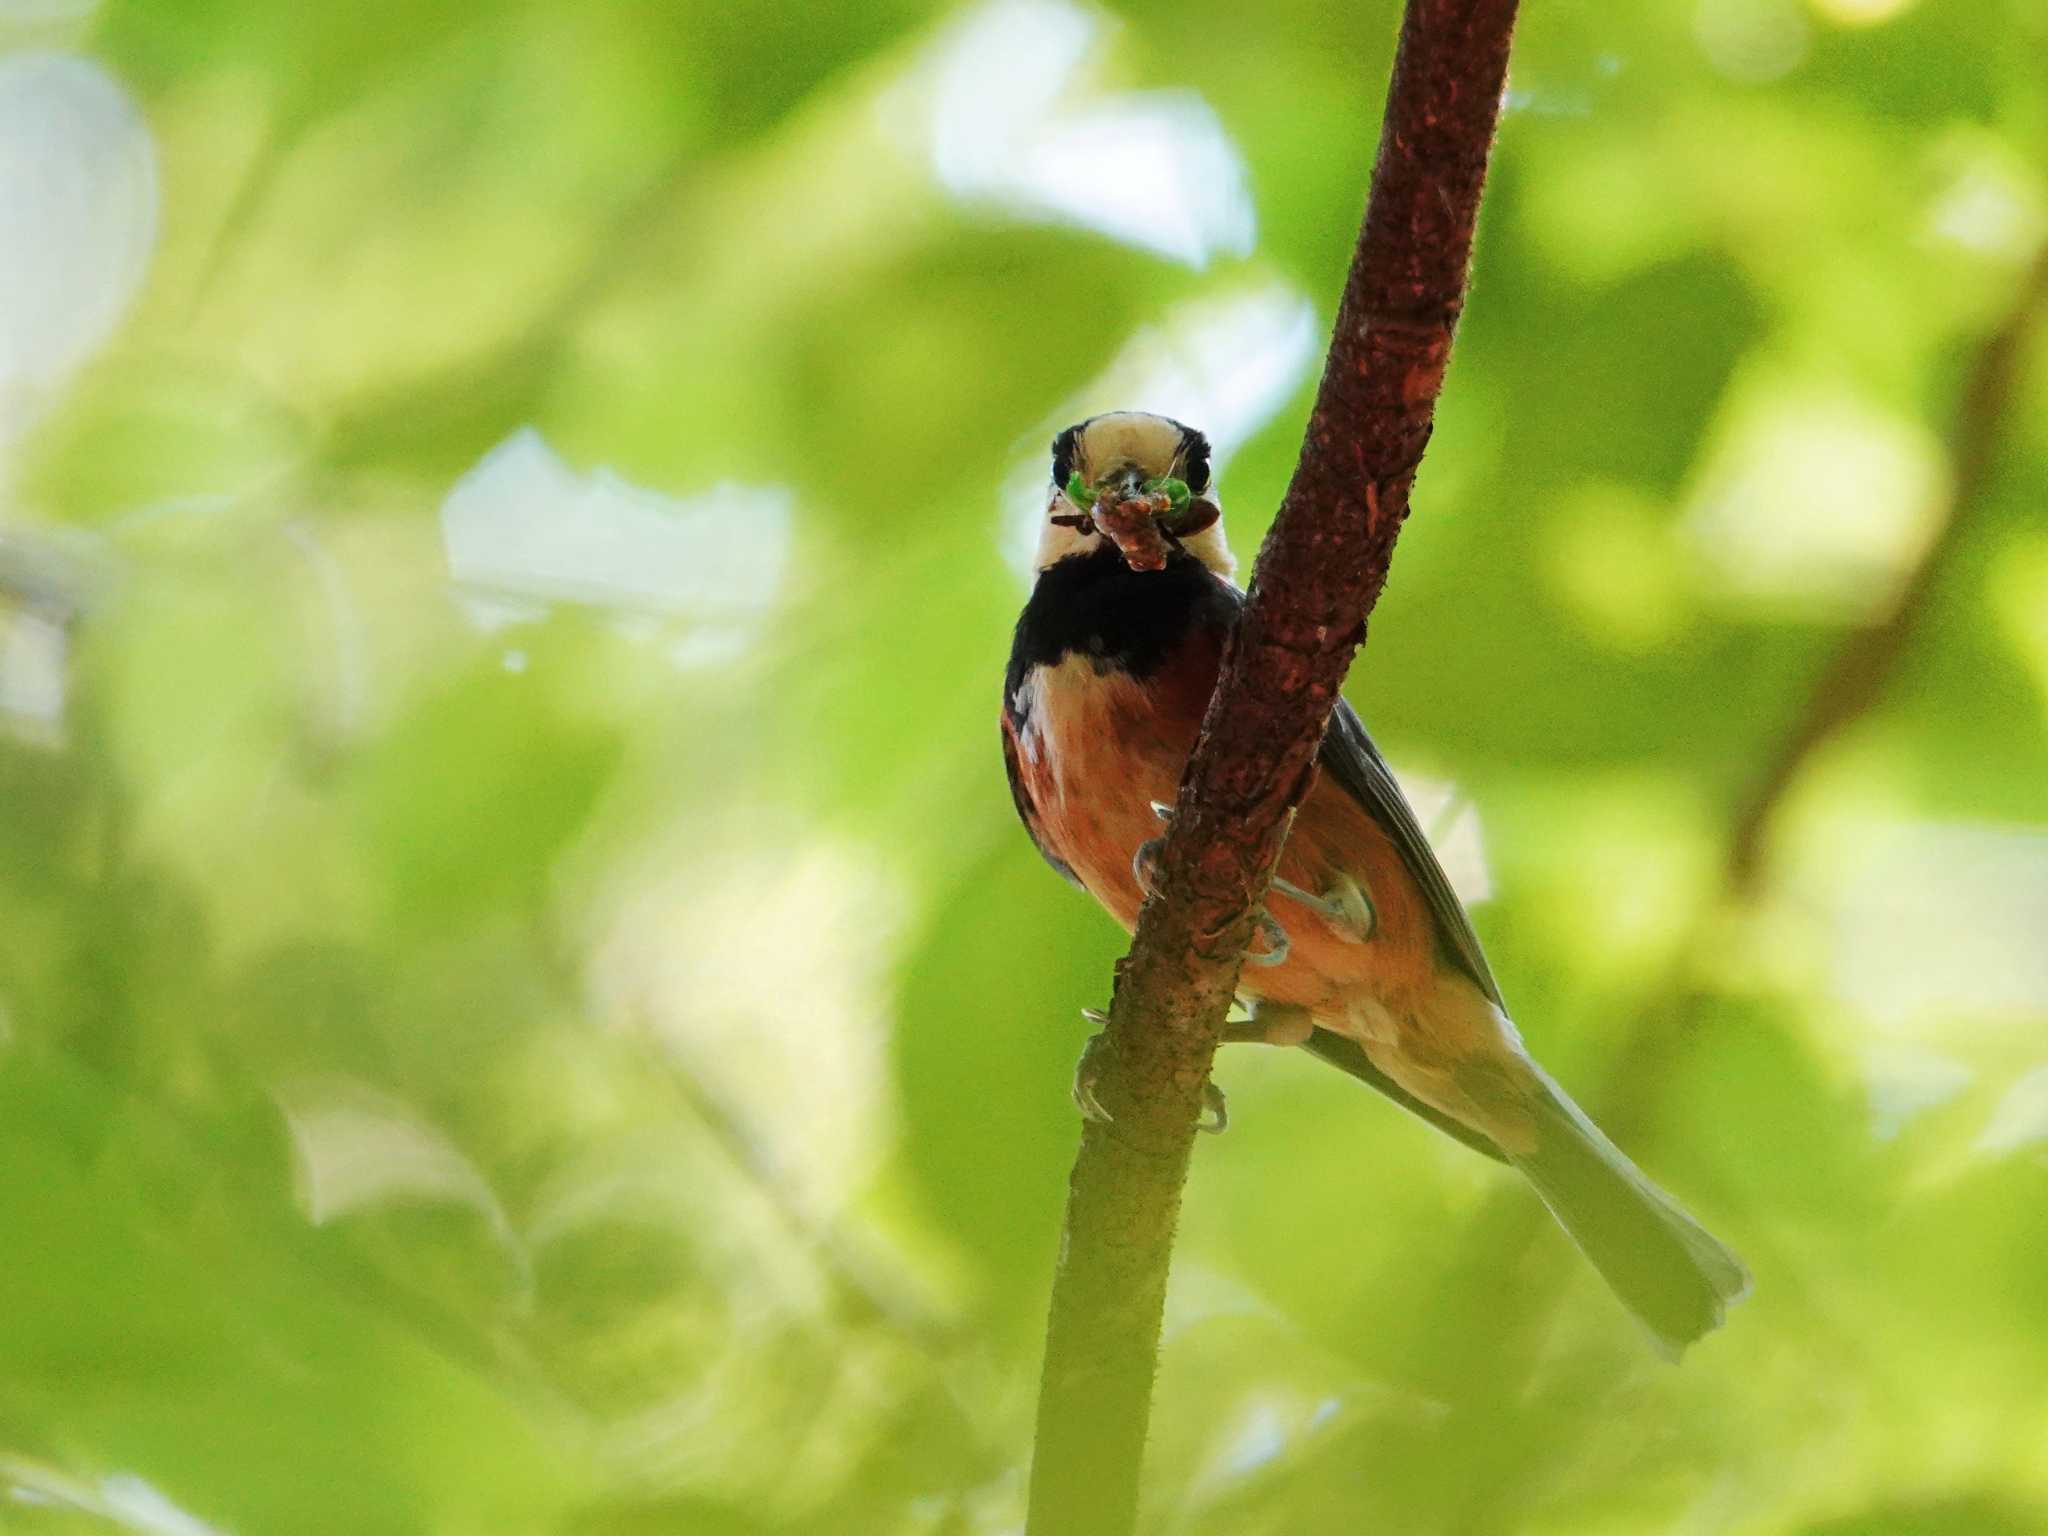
1857,674
1318,575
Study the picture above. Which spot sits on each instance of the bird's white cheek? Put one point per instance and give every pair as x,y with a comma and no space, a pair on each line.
1056,541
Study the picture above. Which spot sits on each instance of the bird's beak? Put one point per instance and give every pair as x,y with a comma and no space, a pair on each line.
1127,484
1128,515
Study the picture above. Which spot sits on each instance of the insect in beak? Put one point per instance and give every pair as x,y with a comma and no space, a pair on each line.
1145,519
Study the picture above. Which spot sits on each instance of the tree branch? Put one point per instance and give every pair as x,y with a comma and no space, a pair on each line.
1859,670
1318,575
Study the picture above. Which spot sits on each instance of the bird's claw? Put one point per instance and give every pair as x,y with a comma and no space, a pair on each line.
1215,1117
1145,870
1089,1068
1215,1111
1145,865
1145,862
1346,904
1277,942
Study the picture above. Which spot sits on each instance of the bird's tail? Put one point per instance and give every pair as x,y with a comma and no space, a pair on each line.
1667,1269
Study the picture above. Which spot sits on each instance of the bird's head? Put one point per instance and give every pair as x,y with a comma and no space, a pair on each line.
1139,481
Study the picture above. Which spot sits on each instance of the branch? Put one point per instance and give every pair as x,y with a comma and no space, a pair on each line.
1318,575
1860,669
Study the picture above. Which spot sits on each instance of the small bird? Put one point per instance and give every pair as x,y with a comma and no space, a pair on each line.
1366,957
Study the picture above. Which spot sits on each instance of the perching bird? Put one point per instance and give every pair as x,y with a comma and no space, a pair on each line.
1368,959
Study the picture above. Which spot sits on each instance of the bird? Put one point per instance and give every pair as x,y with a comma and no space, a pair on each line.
1364,956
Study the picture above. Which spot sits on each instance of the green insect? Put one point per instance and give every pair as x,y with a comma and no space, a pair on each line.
1177,494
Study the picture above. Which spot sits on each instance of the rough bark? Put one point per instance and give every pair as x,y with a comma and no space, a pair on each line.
1317,577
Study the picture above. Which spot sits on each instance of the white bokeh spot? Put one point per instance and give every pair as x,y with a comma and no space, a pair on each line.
356,1148
1013,127
1937,920
2021,1117
78,221
524,531
1812,503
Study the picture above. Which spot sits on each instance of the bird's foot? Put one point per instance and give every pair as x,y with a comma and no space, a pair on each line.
1088,1070
1277,942
1345,903
1215,1111
1215,1118
1270,1024
1145,869
1145,862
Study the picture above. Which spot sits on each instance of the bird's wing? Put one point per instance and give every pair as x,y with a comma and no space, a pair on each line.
1349,757
1020,794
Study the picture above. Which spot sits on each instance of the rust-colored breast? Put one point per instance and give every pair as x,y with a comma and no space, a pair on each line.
1092,749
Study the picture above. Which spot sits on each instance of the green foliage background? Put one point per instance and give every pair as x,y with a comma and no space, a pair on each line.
608,1073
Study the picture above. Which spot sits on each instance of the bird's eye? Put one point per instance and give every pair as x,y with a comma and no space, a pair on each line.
1064,448
1194,462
